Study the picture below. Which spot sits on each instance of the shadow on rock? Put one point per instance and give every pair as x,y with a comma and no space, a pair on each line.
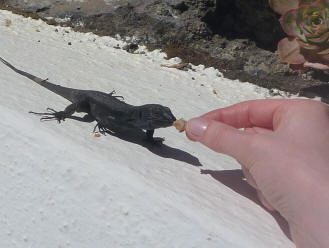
321,90
138,137
235,180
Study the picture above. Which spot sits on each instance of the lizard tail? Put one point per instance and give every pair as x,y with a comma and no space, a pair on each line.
65,92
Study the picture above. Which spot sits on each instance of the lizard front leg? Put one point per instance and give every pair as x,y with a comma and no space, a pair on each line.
58,115
149,135
150,138
101,129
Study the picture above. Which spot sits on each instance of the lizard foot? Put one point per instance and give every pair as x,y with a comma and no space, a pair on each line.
149,138
155,141
101,129
112,94
51,115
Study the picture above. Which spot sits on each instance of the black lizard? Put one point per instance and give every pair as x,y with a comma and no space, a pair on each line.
106,109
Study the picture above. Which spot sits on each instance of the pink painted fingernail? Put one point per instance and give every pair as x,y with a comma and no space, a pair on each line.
197,126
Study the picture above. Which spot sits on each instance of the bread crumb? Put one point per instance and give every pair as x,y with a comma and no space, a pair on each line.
8,23
180,125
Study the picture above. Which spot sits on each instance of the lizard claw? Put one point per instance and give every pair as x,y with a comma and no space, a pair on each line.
51,115
155,141
101,129
112,94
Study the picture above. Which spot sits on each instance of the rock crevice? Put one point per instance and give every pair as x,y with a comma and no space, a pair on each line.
237,37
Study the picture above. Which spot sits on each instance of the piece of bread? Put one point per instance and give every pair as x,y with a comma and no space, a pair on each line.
180,124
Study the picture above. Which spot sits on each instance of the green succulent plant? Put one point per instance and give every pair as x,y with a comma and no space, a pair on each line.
307,24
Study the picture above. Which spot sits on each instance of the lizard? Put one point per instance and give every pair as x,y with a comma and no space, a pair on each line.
108,110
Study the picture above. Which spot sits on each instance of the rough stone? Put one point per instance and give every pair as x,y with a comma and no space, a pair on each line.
237,37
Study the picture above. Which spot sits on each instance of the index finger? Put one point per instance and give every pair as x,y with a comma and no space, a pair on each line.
259,113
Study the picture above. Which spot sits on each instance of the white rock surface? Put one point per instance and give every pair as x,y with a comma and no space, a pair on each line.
62,187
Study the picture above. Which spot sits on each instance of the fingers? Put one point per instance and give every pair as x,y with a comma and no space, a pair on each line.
220,137
251,181
258,113
231,141
259,130
248,176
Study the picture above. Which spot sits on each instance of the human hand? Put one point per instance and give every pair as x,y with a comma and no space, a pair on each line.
284,153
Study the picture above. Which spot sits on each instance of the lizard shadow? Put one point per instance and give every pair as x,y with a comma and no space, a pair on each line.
234,179
138,136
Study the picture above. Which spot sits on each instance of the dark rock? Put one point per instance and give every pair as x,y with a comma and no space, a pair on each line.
31,5
253,20
238,37
131,48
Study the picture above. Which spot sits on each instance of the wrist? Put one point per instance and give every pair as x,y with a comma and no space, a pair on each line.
310,227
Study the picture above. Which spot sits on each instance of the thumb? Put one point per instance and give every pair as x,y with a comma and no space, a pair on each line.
220,137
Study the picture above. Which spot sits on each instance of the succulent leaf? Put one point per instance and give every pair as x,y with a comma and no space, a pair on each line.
318,66
306,2
289,51
324,52
281,6
307,46
321,39
322,3
289,23
308,28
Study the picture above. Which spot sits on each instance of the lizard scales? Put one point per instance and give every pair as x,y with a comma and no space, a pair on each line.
106,109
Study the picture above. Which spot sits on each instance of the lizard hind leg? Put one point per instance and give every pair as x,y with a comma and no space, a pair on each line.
50,115
57,115
102,129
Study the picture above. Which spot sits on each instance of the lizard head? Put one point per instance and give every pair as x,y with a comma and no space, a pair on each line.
152,116
162,116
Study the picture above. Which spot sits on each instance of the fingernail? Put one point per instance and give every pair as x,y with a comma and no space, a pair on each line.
197,126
